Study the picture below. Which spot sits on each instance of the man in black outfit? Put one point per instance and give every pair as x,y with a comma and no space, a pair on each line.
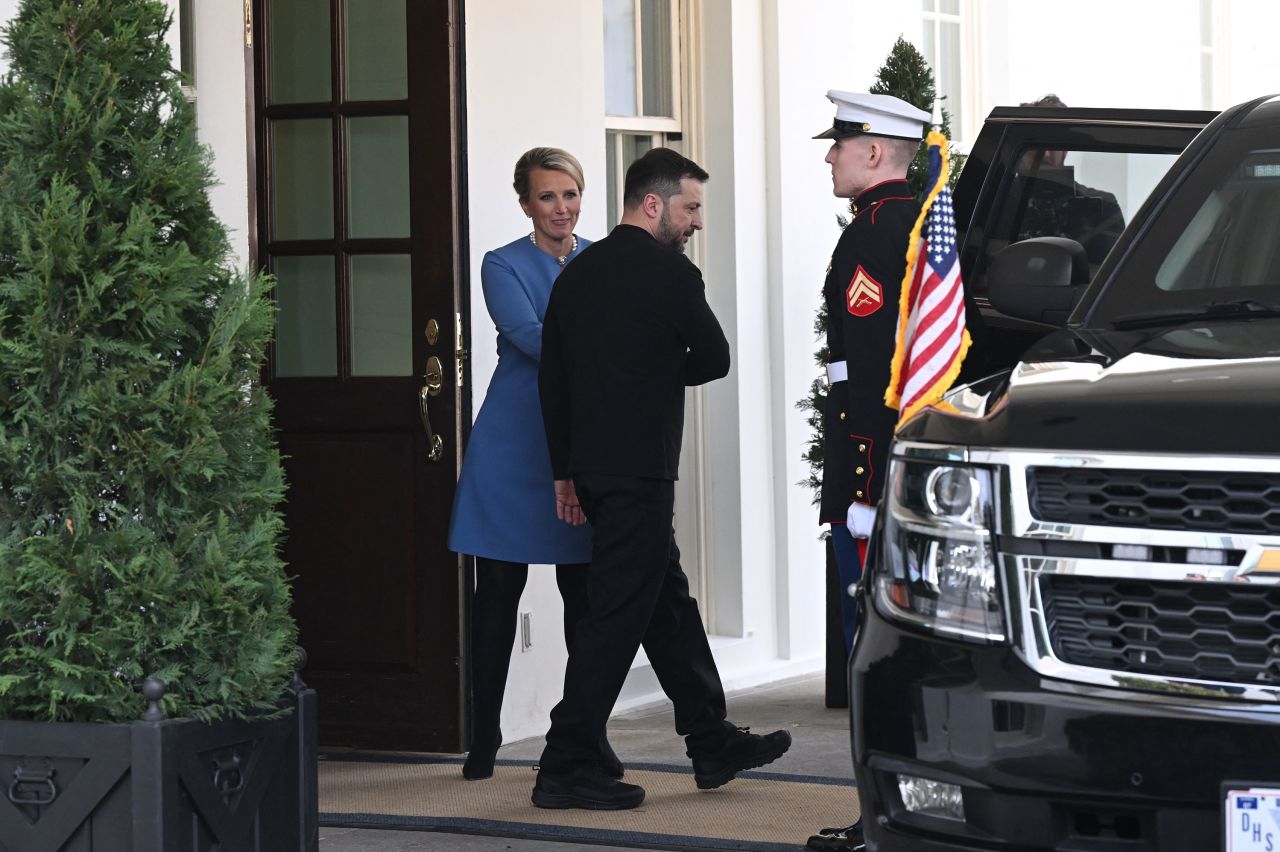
627,328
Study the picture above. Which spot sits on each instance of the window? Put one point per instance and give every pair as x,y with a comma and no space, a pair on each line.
1087,196
943,52
1210,243
1227,244
642,86
187,40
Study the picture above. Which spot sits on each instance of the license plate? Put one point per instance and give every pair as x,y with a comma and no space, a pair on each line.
1252,818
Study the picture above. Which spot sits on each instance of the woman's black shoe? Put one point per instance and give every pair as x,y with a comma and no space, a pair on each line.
479,763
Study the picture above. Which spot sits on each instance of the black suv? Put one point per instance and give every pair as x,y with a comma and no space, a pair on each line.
1071,611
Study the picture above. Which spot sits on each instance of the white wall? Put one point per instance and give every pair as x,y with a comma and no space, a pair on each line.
1031,49
802,232
1065,50
222,113
1248,60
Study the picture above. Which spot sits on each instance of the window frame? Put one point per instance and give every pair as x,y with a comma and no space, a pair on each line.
643,124
661,130
968,22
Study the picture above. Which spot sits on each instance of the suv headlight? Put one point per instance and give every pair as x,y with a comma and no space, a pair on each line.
938,566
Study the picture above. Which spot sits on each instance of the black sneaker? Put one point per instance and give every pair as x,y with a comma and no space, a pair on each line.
838,840
741,750
585,787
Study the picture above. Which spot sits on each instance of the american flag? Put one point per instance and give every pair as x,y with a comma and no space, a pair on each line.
932,340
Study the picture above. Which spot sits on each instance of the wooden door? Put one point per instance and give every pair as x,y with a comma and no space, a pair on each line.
359,209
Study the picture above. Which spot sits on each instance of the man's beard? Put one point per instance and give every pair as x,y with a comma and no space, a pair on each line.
669,236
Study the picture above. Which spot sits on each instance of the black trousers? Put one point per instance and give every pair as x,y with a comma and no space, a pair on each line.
494,610
638,595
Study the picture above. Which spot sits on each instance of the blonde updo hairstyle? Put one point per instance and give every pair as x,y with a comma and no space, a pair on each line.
552,159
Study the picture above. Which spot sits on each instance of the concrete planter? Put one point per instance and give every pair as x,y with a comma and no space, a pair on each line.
173,785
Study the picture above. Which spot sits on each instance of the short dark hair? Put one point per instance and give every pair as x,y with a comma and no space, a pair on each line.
659,172
1049,100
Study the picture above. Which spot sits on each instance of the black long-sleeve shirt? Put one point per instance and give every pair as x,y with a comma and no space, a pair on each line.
627,328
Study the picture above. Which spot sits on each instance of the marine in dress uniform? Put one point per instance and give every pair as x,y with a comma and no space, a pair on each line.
869,155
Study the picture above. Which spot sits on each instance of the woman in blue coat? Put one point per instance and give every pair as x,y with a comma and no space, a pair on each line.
504,513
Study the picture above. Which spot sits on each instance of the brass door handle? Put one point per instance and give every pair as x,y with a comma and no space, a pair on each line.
432,382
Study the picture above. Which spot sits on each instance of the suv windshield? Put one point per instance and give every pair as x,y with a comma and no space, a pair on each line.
1213,249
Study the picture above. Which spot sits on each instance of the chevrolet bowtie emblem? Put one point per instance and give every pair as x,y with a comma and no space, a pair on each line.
1268,562
1261,563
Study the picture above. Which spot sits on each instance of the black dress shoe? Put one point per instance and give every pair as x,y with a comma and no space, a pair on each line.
741,750
586,787
838,840
857,826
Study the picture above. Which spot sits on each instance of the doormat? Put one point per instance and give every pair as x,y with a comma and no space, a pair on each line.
756,812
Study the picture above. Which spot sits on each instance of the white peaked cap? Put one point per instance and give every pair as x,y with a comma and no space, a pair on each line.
876,115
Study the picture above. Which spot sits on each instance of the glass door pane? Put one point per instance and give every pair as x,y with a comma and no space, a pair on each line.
302,179
378,176
381,315
299,34
377,58
307,317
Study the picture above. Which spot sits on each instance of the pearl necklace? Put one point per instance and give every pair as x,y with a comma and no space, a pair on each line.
560,259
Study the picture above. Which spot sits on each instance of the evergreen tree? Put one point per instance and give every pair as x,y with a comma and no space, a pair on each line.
905,74
138,476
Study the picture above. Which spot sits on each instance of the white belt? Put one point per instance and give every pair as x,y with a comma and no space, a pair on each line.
837,371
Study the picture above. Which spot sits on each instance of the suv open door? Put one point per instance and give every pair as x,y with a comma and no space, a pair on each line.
1054,172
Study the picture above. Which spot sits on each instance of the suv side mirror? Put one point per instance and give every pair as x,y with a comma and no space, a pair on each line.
1039,279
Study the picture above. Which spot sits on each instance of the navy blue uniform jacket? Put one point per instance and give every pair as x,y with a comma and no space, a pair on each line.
862,293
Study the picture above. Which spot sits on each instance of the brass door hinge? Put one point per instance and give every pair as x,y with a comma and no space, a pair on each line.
248,23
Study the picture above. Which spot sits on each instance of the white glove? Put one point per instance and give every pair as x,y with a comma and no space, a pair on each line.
860,519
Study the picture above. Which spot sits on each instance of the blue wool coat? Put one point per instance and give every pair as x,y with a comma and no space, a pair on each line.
505,505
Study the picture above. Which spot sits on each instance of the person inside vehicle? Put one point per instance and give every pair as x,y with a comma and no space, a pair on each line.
1053,204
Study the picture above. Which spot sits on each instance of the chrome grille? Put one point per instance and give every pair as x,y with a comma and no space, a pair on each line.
1115,590
1201,631
1204,501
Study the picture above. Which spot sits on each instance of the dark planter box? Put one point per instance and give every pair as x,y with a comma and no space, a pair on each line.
169,786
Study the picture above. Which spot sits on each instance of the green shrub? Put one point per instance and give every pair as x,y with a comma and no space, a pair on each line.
139,481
